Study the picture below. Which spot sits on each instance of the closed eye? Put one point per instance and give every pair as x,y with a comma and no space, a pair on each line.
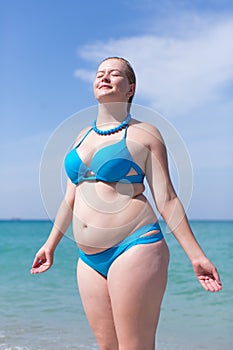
99,75
116,73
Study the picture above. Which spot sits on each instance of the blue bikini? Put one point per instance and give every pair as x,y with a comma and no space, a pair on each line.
110,164
102,261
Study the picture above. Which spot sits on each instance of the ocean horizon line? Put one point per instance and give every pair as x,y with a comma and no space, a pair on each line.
19,219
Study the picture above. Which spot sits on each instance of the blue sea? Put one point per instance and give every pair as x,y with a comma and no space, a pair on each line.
44,312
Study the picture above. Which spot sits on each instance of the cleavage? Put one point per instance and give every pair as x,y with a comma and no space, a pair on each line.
86,156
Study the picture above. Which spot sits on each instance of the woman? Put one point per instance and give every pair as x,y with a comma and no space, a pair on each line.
122,270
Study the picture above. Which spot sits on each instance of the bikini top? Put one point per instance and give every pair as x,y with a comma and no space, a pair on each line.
109,164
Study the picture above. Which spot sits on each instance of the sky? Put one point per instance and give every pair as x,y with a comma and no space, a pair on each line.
182,54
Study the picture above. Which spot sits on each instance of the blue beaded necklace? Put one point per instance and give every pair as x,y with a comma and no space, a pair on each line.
113,130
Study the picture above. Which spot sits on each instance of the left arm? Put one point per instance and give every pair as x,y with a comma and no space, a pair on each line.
172,211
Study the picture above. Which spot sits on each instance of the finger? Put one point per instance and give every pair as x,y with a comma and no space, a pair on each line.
217,287
39,269
203,283
37,261
213,281
209,284
34,270
36,267
206,283
205,286
216,276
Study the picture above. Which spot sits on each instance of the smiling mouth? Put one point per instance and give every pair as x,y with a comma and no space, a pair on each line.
105,86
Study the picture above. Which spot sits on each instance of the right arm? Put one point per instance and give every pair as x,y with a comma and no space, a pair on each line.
44,257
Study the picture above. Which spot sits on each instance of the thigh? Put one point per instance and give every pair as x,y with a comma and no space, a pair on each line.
137,281
97,305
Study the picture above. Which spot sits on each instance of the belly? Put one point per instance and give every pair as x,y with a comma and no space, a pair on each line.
104,214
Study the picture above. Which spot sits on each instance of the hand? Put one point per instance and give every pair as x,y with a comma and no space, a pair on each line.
43,261
207,275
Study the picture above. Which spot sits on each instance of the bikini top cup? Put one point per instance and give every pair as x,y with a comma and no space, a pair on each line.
110,164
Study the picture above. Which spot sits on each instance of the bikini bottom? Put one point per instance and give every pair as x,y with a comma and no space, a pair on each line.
102,261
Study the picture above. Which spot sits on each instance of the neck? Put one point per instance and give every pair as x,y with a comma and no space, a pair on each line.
111,113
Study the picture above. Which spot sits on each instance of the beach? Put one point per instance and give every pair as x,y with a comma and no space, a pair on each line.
44,312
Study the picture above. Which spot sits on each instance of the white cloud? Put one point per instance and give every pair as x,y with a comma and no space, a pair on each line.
176,75
185,71
84,74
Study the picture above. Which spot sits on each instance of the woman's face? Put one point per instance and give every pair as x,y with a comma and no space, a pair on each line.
111,83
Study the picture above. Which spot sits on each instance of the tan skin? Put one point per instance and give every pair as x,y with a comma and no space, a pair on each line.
123,309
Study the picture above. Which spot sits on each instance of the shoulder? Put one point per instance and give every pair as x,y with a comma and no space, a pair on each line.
148,132
82,133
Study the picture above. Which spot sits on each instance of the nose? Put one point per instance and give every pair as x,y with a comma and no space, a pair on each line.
106,77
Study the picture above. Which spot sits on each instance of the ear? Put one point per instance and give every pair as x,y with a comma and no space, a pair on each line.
131,90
